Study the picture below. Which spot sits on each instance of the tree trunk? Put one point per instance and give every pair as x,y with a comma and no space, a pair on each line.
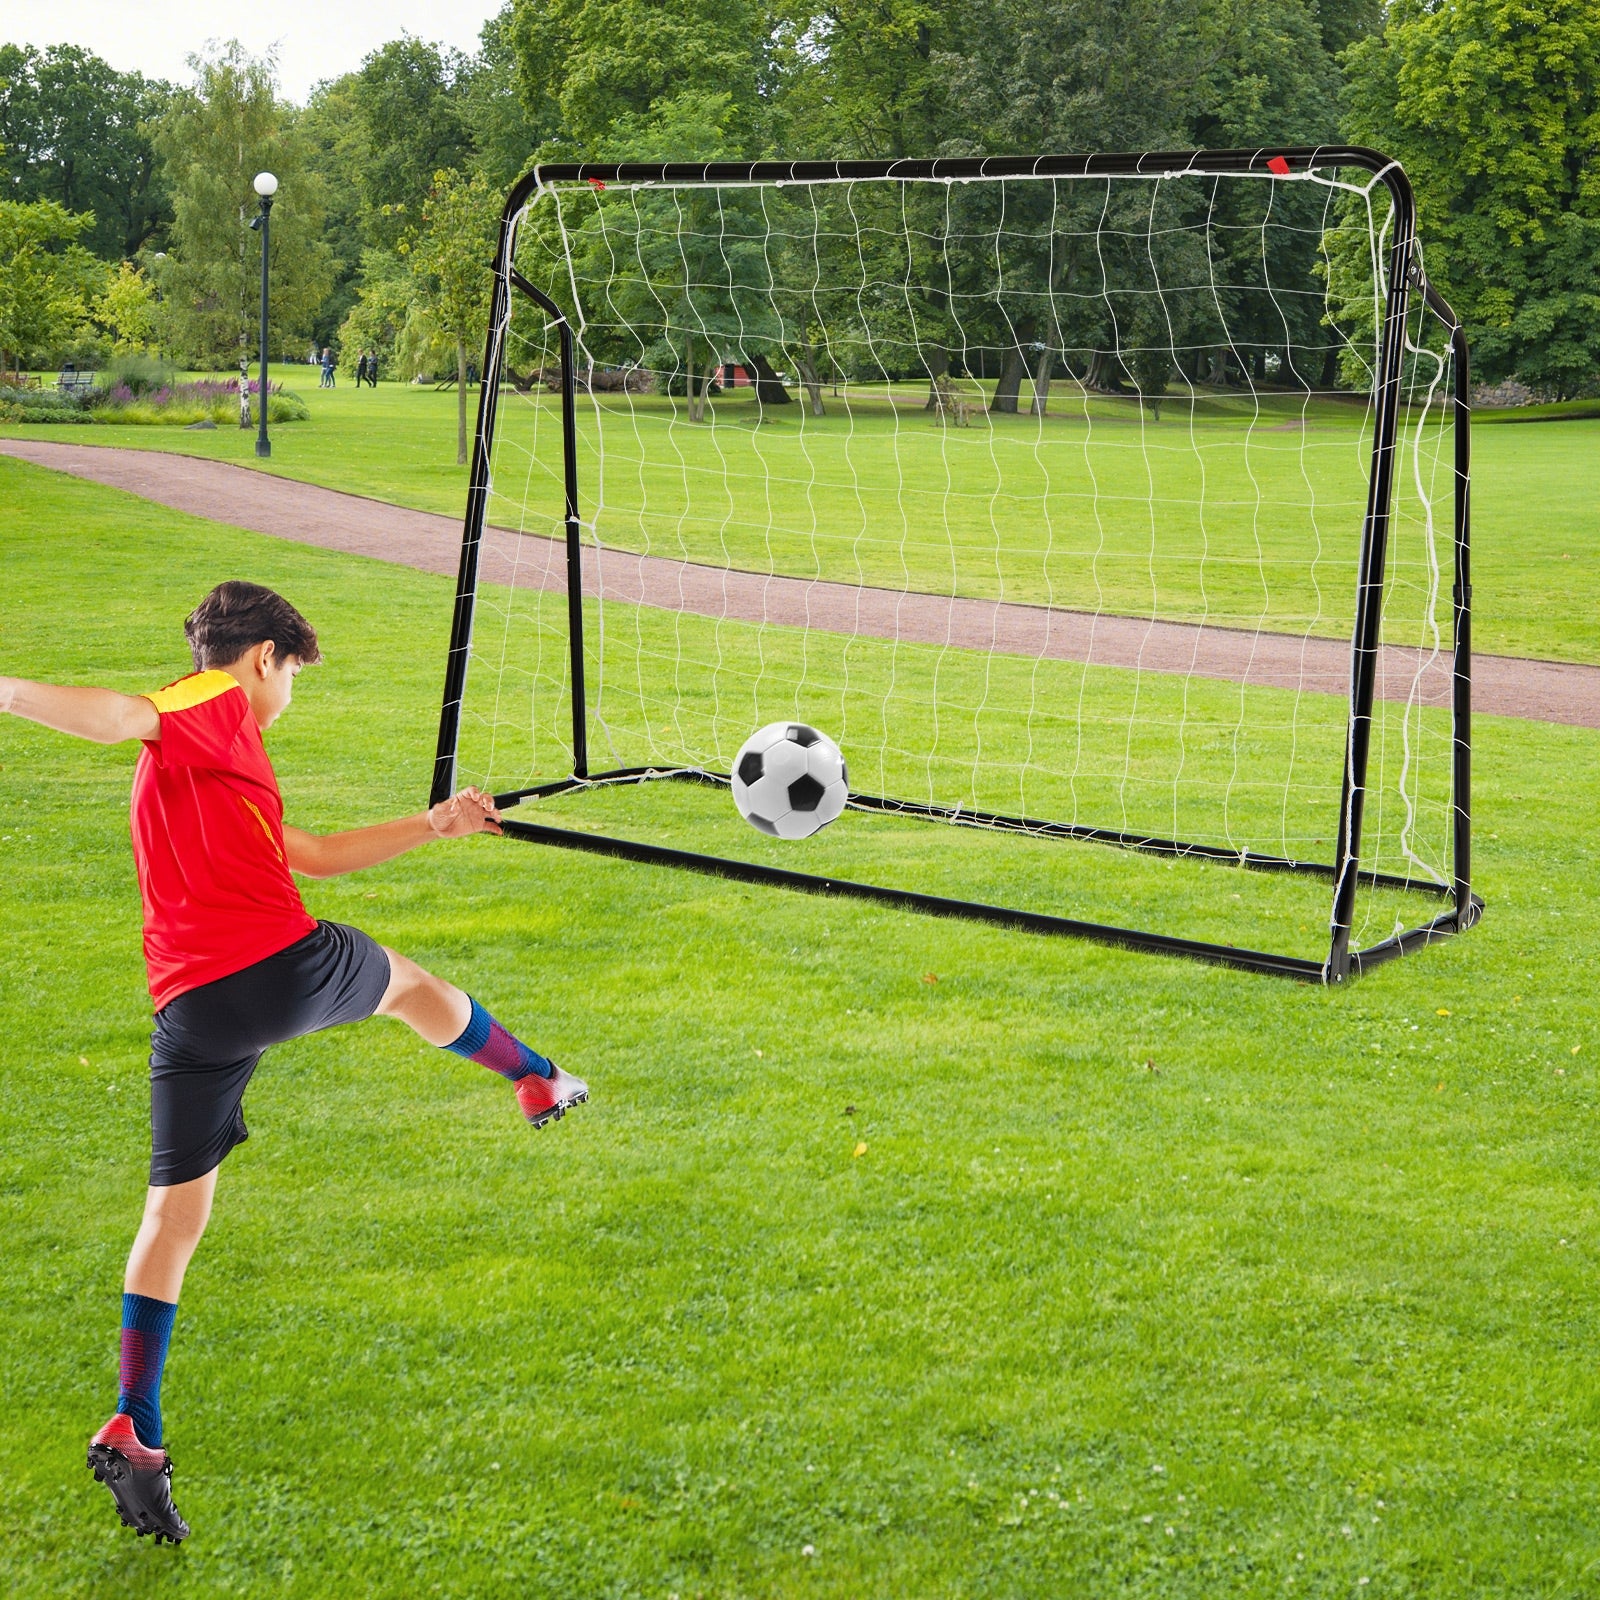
688,375
769,386
1010,385
1042,366
805,363
938,380
461,403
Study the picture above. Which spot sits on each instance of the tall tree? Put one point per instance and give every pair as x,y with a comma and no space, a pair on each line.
450,250
586,65
504,135
46,278
337,150
212,142
408,98
77,132
869,77
1494,110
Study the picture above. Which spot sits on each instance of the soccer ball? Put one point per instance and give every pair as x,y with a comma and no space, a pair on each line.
790,780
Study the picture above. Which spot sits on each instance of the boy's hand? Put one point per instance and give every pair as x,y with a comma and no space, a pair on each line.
471,811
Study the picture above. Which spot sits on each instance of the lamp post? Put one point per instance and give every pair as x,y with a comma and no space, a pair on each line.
266,186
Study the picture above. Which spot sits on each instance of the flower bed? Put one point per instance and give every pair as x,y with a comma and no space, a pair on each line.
182,404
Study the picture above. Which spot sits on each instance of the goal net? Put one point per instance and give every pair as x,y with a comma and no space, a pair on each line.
1108,511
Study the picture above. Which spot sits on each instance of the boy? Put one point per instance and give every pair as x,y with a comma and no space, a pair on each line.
236,964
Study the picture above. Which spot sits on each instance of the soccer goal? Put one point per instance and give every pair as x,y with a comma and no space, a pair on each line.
1109,511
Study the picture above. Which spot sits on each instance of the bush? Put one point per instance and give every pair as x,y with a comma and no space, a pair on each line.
40,405
139,374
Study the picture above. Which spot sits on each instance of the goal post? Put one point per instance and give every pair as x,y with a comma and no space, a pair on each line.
1104,508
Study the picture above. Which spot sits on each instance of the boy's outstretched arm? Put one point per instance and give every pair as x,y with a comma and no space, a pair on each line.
102,715
325,855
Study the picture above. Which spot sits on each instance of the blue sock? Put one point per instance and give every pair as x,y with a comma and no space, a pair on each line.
491,1045
146,1328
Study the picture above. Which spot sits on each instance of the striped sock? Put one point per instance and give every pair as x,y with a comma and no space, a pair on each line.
146,1328
483,1040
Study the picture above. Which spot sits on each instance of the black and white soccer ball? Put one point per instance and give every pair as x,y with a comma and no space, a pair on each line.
789,780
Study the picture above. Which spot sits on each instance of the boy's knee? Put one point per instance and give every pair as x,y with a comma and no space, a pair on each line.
182,1210
405,978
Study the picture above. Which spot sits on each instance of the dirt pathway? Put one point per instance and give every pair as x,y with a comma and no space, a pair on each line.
1546,691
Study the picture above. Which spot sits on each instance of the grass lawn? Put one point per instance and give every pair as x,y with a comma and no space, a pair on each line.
1060,511
892,1257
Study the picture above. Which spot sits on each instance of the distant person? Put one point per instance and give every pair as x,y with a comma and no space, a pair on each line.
326,381
372,369
361,369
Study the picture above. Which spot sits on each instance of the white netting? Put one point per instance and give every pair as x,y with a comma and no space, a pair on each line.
1043,496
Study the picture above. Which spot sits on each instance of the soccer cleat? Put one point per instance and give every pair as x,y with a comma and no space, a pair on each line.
140,1481
544,1099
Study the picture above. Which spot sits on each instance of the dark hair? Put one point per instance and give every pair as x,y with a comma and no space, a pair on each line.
236,616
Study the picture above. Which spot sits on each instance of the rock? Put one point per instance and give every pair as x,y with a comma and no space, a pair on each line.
200,427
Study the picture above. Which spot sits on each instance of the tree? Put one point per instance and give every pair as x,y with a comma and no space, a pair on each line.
46,278
586,66
870,77
212,142
77,132
1493,108
126,308
407,97
337,151
450,253
504,135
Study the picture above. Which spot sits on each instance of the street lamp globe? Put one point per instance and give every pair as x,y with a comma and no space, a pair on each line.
266,185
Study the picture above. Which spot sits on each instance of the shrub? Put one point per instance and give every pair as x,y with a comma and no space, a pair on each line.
40,405
139,374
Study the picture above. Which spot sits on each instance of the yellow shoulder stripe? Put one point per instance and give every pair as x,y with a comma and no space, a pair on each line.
194,690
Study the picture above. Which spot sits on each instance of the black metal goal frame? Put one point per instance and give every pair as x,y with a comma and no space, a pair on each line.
1405,275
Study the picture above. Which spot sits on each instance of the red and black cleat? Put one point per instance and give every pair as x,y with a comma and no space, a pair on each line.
140,1481
544,1099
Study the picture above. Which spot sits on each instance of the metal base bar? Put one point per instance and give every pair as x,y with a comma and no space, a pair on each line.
1033,827
1244,959
907,900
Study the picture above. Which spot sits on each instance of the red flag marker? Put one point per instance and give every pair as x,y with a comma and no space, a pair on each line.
599,183
1279,166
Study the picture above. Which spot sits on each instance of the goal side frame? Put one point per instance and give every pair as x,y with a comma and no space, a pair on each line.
1345,874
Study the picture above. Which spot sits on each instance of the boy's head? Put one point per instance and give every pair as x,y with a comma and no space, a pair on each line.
235,617
258,637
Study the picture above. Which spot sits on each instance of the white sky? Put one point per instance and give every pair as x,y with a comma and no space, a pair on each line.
314,39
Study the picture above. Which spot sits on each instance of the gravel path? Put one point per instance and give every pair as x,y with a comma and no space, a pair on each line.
1546,691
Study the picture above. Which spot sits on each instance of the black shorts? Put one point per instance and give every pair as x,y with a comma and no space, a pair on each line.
207,1042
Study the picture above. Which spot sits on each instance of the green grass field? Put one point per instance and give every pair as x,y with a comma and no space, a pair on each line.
1017,509
1149,1279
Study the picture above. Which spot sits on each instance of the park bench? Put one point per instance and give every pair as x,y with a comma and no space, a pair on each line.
72,381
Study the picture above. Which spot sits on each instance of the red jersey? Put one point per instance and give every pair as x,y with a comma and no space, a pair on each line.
207,827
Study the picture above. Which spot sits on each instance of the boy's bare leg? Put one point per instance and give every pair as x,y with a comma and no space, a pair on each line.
449,1017
431,1007
175,1217
127,1454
